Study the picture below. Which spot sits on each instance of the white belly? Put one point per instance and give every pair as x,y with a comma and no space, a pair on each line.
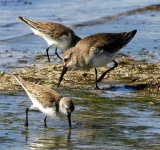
103,59
62,43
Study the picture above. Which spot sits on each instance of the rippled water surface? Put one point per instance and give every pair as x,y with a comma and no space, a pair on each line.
21,47
118,118
111,123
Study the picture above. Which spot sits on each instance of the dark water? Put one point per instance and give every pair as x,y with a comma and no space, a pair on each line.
118,118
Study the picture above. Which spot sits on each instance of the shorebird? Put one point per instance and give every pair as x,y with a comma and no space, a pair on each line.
46,100
95,51
56,34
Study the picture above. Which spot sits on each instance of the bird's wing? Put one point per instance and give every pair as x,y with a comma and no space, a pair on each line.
41,94
50,29
109,42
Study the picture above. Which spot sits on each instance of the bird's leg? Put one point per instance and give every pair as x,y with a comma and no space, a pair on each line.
104,73
45,124
26,123
47,52
96,78
57,54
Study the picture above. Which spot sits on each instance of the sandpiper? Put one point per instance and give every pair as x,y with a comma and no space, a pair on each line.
46,100
56,34
95,51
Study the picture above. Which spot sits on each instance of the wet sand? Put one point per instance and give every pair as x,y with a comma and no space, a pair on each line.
140,75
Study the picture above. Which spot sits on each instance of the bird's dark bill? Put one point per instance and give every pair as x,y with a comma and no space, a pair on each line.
69,120
64,70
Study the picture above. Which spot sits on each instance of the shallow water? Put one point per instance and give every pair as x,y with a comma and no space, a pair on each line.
117,118
21,47
112,123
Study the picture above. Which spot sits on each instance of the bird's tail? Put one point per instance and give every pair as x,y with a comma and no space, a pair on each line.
127,37
22,82
31,23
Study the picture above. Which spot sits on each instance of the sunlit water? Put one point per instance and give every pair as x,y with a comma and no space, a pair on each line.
117,119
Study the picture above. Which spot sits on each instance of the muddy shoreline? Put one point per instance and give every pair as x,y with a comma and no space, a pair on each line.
141,75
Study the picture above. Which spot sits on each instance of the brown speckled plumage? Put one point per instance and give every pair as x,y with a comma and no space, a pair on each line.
54,33
46,100
96,51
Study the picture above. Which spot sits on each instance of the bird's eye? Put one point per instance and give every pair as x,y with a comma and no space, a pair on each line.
65,59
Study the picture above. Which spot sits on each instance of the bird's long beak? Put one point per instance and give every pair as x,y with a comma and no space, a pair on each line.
69,120
64,70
